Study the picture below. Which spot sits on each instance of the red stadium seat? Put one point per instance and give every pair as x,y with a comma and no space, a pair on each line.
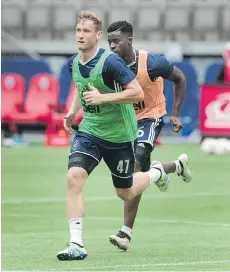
13,89
58,117
41,98
55,134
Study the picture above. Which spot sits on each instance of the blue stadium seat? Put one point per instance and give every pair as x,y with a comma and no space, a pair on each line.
190,108
212,72
65,82
25,66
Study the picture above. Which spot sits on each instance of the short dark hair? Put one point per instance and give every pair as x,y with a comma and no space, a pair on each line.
122,26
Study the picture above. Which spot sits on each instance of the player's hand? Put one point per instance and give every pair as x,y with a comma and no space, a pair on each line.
93,97
68,120
175,121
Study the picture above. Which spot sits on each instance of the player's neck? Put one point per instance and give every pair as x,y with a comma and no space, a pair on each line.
130,57
89,54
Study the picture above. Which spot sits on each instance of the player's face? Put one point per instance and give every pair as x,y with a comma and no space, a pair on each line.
87,35
119,43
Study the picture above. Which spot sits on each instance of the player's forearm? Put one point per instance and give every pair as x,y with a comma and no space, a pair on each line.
128,96
179,93
75,105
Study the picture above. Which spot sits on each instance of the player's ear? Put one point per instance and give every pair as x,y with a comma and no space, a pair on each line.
99,35
130,39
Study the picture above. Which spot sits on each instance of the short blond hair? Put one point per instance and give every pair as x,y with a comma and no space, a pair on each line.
88,15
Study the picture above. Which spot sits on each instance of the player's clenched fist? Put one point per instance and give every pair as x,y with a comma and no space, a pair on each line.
93,97
175,121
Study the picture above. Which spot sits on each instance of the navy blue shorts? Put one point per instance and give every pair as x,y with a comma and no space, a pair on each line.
87,151
148,131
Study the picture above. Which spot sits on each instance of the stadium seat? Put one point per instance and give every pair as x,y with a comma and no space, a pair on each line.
124,3
64,20
179,3
149,23
117,14
55,133
57,117
176,23
78,5
41,98
212,72
99,4
38,19
225,24
13,88
158,4
12,17
25,66
205,23
205,3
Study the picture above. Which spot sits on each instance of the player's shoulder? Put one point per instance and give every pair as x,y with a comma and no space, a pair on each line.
71,59
157,61
113,61
114,57
155,57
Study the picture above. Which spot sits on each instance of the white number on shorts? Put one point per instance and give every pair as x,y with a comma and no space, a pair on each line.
140,133
121,164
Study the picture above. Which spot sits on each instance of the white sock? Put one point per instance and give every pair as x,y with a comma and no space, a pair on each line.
154,175
178,167
75,229
127,231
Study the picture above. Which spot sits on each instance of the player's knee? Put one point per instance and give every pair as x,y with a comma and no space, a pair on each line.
75,178
124,194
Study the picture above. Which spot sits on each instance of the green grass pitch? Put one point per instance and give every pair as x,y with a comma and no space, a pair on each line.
184,229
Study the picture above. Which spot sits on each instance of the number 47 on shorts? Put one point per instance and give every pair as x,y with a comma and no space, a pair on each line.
123,166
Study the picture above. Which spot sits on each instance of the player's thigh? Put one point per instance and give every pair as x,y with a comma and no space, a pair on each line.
149,130
143,153
120,158
84,153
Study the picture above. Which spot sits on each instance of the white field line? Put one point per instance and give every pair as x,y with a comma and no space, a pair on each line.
94,268
111,198
139,219
151,220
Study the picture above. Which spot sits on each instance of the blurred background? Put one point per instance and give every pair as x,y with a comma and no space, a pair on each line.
38,37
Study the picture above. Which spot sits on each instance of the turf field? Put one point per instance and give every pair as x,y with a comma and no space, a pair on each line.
185,229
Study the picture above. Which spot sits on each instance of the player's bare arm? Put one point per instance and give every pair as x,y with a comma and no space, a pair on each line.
74,108
179,80
132,93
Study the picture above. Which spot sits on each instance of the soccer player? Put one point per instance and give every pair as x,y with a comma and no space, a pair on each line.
106,89
150,69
